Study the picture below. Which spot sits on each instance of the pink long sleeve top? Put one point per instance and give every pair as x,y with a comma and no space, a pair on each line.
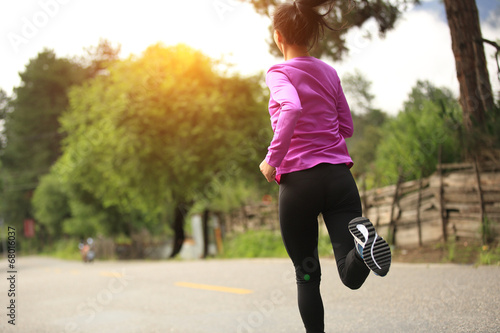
310,116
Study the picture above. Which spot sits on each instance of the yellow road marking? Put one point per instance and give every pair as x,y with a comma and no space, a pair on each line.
214,288
111,274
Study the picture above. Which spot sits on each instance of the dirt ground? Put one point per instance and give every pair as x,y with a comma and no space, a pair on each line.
420,255
463,252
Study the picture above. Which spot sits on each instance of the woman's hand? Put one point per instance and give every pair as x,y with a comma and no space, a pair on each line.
268,171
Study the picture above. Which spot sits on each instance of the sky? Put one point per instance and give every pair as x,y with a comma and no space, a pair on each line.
419,48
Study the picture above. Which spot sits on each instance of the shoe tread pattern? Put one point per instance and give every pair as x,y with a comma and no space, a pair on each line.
379,261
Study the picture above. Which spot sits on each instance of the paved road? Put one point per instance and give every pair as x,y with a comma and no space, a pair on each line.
241,296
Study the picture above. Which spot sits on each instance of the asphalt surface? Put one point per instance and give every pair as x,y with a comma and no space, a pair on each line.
240,296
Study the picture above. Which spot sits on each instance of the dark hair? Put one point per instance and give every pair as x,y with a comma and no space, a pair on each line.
300,23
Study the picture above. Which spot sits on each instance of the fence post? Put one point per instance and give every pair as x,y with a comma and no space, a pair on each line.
392,223
419,203
484,226
444,218
364,199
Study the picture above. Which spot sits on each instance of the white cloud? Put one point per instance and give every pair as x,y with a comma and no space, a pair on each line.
418,49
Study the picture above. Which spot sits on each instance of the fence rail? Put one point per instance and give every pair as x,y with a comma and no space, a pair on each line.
460,201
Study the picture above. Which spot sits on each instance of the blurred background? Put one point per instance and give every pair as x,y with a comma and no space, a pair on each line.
136,128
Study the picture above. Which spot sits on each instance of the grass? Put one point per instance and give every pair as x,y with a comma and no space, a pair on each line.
472,253
265,244
489,256
254,244
457,252
63,249
268,244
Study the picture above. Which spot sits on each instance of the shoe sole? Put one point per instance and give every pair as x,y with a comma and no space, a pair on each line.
376,252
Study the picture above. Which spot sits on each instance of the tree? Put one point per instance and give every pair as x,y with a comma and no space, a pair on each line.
357,90
476,97
368,123
51,207
153,132
5,108
369,129
63,208
4,104
429,123
31,141
31,137
100,57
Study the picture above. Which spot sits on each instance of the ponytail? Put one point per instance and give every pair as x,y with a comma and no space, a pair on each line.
300,22
307,7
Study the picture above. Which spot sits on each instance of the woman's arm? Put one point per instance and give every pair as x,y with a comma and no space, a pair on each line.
290,108
346,127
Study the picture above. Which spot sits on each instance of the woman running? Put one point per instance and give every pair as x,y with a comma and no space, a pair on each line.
309,160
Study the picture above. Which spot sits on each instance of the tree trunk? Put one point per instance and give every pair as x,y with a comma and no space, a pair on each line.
179,236
206,216
475,89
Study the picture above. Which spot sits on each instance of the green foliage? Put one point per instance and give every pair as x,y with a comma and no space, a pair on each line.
65,248
255,244
489,256
488,231
483,141
325,248
4,104
465,252
368,133
266,244
225,195
413,140
357,90
64,209
31,139
368,124
154,132
50,203
451,246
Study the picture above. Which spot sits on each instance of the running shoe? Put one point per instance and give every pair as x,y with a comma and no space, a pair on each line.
374,250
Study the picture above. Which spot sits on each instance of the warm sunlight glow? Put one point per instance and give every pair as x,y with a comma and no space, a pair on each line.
232,30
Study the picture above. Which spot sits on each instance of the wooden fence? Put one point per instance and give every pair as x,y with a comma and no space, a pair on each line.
259,216
459,201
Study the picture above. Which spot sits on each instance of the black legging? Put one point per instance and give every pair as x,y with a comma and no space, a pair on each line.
330,190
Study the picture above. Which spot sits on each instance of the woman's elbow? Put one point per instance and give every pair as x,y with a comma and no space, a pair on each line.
347,132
